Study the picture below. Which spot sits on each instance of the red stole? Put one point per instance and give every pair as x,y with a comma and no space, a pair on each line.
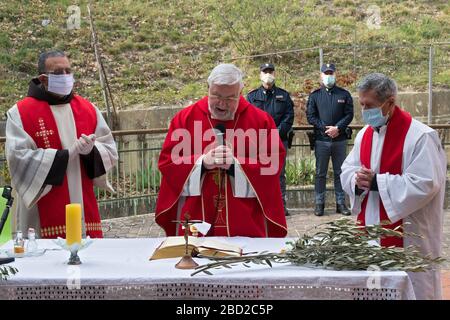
229,216
214,202
391,162
38,121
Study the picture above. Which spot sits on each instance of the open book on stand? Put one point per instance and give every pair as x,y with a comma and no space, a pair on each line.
174,247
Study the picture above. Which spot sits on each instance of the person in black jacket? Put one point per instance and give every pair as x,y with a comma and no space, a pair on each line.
278,103
330,111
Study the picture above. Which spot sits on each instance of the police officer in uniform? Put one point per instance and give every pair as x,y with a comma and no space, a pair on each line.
330,111
278,104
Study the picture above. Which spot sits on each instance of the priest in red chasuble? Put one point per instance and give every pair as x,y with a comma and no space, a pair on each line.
220,163
58,146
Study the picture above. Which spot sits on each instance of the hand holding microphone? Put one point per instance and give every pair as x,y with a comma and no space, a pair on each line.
221,156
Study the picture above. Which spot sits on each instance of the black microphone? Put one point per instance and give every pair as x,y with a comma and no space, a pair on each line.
220,133
8,196
221,128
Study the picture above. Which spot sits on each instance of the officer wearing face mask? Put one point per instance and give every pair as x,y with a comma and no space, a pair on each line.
277,102
330,111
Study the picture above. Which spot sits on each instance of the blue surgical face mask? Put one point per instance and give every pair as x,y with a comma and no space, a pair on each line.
374,117
329,80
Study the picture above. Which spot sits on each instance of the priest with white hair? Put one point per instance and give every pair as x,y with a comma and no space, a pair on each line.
220,164
396,173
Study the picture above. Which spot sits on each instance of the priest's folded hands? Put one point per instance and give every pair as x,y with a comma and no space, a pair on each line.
219,157
83,145
364,178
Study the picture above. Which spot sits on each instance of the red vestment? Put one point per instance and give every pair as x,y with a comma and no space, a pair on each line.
260,216
38,121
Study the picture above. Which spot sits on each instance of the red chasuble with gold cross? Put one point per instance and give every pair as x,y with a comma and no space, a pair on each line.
38,121
259,216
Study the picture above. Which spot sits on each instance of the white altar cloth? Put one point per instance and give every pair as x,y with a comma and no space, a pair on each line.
120,269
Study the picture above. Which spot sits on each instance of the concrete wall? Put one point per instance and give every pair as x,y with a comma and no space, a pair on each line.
141,117
147,117
144,117
417,104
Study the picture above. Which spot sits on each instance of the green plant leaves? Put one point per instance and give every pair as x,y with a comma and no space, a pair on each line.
340,245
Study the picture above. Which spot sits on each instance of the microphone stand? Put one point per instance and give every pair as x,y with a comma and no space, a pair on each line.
8,196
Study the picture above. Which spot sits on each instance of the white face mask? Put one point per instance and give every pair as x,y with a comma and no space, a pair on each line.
267,78
328,80
61,84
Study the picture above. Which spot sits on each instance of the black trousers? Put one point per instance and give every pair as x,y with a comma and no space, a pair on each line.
323,151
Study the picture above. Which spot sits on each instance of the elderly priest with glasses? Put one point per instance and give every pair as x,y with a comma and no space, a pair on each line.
220,163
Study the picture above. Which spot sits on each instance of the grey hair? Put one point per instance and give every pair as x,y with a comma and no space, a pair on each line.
45,55
383,86
226,73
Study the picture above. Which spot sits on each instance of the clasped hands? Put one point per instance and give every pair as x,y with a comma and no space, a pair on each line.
219,157
364,177
332,131
83,145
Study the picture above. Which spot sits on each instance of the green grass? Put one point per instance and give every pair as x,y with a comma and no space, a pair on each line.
160,52
300,172
148,179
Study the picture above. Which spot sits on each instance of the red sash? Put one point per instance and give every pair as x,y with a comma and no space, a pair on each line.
391,162
38,121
